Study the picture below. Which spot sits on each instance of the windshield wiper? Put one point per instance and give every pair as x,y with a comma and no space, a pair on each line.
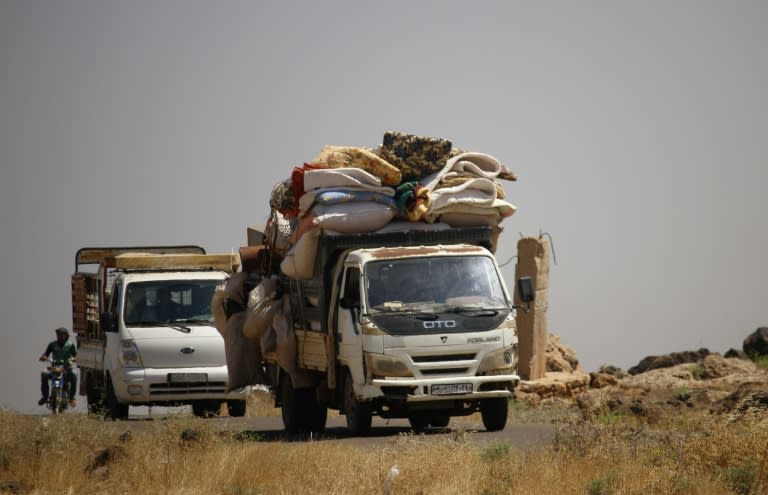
197,321
474,310
157,323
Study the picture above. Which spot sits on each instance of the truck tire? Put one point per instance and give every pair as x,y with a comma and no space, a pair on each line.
358,414
494,413
206,408
236,408
301,411
115,409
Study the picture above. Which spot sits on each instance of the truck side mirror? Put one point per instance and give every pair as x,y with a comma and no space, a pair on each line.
107,322
525,289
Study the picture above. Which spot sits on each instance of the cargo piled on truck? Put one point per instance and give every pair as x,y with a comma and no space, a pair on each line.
373,289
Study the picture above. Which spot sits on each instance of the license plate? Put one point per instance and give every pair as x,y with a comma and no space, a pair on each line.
187,377
451,388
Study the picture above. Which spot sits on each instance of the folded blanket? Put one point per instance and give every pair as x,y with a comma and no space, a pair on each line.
415,156
308,199
478,192
498,208
477,164
351,156
338,177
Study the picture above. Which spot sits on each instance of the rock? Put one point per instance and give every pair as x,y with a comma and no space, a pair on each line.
101,458
735,353
756,344
10,487
613,371
601,380
560,358
668,360
556,384
189,435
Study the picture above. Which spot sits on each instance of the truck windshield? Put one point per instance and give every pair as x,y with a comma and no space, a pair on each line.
439,283
168,301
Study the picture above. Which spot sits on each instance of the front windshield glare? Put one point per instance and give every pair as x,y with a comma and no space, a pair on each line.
433,282
157,302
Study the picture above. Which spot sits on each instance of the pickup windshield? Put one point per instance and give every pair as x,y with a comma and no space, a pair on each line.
439,284
160,302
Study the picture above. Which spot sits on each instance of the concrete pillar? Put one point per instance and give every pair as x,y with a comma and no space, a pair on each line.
533,261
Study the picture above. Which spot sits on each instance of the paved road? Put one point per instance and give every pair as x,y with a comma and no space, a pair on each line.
384,432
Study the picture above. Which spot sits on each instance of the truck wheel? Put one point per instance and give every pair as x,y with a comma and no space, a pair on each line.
494,413
439,420
290,407
206,408
418,422
115,410
358,414
317,414
236,408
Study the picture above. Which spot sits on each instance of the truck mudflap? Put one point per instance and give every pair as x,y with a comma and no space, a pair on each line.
434,389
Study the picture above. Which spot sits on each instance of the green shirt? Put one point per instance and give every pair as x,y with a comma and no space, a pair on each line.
61,352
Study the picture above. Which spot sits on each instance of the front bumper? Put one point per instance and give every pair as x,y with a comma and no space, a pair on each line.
411,390
155,385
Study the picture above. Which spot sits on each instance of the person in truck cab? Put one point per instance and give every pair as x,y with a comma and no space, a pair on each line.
60,350
167,308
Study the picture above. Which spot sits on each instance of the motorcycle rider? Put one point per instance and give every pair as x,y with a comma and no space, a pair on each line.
61,350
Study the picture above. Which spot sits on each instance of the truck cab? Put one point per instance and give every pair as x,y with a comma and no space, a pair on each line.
149,339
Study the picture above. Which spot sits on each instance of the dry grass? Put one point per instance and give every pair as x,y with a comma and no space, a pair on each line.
683,454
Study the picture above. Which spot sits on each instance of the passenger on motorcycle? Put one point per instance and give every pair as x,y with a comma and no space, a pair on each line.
60,350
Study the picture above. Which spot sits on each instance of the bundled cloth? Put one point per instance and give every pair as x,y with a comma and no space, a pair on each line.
415,156
351,156
465,193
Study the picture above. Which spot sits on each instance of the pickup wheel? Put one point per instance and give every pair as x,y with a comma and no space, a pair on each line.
494,413
206,408
359,415
115,409
236,408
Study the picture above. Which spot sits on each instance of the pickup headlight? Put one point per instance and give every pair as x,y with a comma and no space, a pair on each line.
380,366
129,355
499,362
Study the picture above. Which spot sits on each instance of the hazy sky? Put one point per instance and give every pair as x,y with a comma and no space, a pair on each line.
638,130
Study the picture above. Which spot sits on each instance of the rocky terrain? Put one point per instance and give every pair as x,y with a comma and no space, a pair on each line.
729,384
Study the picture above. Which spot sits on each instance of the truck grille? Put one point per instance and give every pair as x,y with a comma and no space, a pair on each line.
443,358
444,371
159,389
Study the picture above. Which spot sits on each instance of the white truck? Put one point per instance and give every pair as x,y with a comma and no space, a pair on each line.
415,324
144,329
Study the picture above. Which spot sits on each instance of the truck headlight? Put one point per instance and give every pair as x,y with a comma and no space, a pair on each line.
499,362
129,355
380,366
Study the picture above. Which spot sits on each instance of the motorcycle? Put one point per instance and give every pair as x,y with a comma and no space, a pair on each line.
58,391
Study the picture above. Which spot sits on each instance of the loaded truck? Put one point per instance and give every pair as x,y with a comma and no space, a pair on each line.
144,329
415,324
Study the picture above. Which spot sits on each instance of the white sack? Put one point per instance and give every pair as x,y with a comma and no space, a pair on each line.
299,262
353,217
262,308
